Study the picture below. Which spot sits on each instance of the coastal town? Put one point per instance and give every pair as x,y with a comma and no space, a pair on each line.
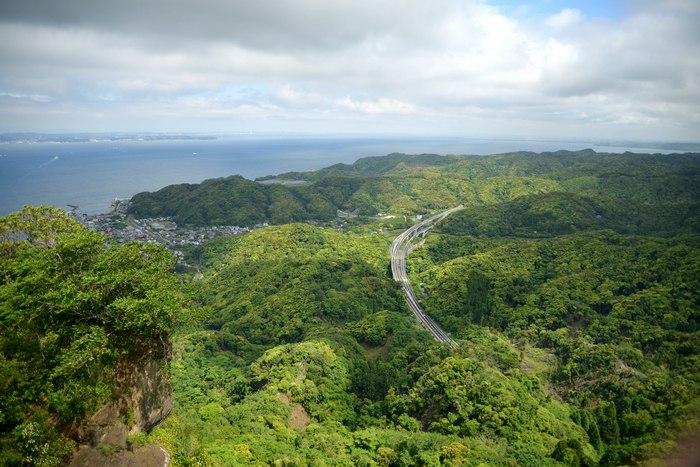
124,228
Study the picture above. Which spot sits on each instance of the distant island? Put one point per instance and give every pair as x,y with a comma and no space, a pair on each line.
30,137
94,137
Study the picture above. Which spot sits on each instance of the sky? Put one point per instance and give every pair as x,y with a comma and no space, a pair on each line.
615,70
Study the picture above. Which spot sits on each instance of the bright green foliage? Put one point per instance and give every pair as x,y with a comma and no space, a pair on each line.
276,284
299,407
570,281
620,312
309,373
464,397
364,386
70,307
630,191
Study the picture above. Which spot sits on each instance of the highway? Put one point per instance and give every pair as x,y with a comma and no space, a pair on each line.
399,250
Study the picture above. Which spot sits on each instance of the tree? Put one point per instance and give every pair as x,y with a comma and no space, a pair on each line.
71,306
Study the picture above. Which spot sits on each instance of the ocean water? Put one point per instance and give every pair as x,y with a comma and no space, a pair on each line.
91,174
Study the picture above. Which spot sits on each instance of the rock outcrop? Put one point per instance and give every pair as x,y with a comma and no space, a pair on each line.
142,399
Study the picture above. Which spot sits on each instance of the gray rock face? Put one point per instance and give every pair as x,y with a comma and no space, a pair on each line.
146,456
149,390
142,399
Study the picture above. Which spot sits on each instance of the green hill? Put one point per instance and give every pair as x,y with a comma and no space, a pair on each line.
632,186
311,358
569,281
85,327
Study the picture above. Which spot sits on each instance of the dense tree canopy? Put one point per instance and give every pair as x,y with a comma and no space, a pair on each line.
569,280
71,306
636,192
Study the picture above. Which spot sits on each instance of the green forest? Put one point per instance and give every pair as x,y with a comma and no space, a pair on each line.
569,281
73,308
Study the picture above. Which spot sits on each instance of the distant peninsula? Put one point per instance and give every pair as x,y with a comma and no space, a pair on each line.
95,137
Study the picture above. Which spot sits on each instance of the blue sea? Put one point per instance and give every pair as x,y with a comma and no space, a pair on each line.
91,174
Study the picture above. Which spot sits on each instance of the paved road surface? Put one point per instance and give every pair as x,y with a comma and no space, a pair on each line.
399,250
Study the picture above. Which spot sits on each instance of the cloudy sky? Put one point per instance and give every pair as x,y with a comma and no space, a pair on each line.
483,68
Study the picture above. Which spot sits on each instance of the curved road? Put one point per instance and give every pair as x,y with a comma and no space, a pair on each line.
399,250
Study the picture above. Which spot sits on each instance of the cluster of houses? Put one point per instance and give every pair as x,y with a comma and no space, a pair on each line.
163,230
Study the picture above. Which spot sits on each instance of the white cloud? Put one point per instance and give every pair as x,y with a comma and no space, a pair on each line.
377,106
566,18
446,64
292,97
30,97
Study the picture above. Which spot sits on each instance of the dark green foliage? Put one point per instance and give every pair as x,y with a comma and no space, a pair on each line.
369,167
35,441
312,358
570,281
225,201
278,283
373,329
570,452
237,201
557,213
70,307
628,192
621,313
542,215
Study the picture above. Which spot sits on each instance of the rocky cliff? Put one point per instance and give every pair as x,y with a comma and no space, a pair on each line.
141,400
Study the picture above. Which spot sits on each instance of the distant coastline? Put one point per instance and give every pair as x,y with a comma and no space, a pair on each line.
90,170
30,137
92,138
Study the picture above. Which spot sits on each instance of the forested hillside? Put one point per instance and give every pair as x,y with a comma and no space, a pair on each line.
76,316
620,313
569,281
311,359
632,188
